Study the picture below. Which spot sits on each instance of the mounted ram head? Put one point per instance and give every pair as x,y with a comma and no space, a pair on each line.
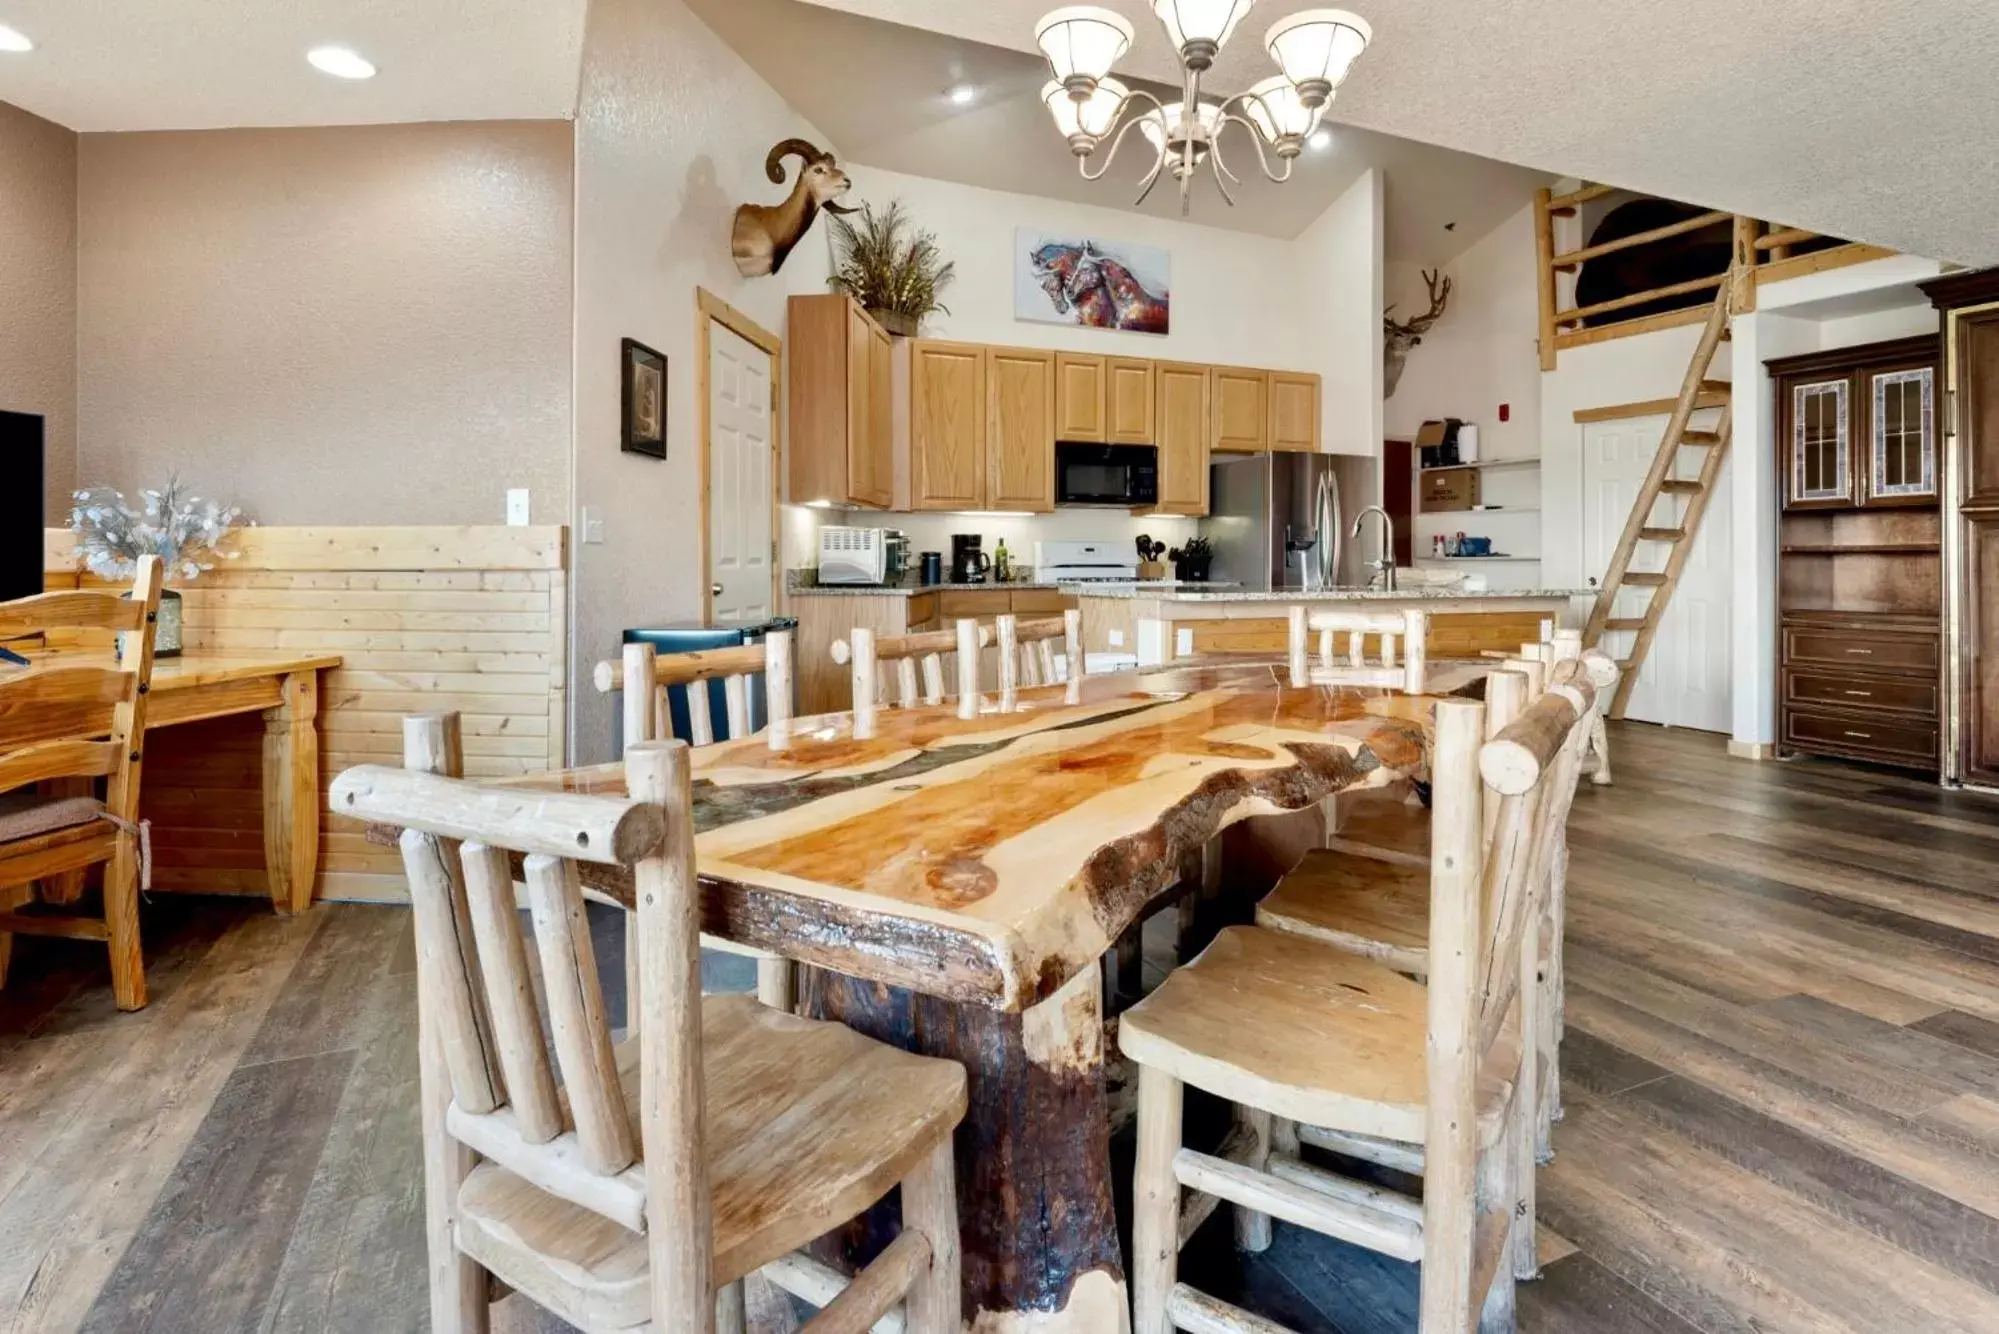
766,233
1401,335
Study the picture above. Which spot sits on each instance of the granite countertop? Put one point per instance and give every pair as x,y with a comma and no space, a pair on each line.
1075,588
1185,593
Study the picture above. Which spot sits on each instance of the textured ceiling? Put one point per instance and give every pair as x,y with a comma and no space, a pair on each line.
1869,121
202,64
877,90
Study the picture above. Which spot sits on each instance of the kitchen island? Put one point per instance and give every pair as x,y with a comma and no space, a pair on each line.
1159,625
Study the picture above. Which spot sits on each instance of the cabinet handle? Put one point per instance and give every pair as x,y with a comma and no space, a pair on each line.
1860,650
1864,694
1864,736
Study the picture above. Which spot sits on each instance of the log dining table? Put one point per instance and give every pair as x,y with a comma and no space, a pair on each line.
954,873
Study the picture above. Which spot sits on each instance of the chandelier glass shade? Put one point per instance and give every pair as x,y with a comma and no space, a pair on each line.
1314,51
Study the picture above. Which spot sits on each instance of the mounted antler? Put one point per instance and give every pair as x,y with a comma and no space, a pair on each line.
765,233
1400,336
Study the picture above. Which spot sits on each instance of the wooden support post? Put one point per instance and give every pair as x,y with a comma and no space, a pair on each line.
1544,264
431,744
1155,1204
930,1206
291,793
1252,1229
1742,269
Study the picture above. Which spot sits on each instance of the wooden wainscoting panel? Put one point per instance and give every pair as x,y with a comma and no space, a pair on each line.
424,619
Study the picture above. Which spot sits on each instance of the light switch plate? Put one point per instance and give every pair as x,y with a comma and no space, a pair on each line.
593,525
517,507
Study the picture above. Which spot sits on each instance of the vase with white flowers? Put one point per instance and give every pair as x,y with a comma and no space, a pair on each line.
182,529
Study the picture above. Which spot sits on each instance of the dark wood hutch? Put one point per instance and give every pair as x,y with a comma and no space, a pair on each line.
1970,306
1860,553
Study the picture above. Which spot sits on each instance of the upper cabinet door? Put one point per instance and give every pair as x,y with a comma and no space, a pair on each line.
881,415
1294,412
1021,384
869,465
1129,403
1241,403
947,455
1819,445
1184,420
1079,398
1901,458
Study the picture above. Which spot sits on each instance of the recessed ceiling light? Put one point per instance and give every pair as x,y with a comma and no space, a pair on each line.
962,94
340,62
1321,140
10,40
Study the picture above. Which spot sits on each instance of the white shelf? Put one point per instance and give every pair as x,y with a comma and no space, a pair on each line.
1486,463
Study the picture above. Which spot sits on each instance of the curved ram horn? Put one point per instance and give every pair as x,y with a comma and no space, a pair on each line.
774,162
834,206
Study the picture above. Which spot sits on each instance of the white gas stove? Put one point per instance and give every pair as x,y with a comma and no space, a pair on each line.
1085,562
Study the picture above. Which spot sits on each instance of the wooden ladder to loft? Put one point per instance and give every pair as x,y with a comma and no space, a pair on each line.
1676,535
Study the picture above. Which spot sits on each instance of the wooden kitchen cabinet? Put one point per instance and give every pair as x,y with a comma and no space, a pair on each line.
1128,401
1294,412
948,416
1080,398
1241,399
1183,422
837,367
1021,384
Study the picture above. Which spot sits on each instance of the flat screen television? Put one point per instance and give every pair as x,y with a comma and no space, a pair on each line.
22,470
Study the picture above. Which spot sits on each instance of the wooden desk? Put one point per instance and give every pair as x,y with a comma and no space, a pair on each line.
284,687
956,881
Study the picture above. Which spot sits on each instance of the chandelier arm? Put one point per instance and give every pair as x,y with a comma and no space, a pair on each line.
1124,128
1222,174
1151,179
1256,139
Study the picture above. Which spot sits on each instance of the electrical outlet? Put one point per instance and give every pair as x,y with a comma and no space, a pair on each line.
1117,638
593,525
517,507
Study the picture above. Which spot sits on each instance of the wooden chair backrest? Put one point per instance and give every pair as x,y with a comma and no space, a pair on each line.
79,716
460,842
648,713
1027,649
1410,627
1503,775
868,654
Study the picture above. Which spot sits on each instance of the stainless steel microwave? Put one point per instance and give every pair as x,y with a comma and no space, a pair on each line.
1122,475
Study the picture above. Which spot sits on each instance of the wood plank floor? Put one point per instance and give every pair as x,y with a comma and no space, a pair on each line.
1782,1079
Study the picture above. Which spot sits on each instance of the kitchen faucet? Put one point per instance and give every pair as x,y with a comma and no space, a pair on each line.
1386,563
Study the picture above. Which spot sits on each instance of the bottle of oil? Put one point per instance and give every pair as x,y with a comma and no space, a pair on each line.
1002,563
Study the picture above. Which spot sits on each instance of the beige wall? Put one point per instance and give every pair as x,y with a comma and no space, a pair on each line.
38,287
352,325
671,132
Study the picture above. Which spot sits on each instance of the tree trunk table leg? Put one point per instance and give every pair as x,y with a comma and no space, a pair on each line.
291,794
1038,1229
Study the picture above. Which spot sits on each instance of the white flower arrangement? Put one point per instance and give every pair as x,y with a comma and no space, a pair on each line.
183,530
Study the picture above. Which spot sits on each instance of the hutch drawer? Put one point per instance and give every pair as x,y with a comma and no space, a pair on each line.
1809,686
1863,737
1874,650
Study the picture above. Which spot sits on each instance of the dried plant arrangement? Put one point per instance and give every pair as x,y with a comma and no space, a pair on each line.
893,269
182,529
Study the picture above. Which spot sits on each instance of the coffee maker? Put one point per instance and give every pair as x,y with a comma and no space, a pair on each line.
969,565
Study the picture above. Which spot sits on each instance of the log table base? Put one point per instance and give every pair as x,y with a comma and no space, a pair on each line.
1037,1223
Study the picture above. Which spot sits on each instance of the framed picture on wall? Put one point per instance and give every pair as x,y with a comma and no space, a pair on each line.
644,398
1070,278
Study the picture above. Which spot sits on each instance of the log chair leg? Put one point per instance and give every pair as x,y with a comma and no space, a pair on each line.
631,975
1498,1189
1155,1201
458,1286
775,986
1252,1229
930,1205
1599,742
121,917
731,1310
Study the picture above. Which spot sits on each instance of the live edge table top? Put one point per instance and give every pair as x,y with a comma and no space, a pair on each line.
989,859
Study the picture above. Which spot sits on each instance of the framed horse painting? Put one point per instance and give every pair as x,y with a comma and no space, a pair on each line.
1070,279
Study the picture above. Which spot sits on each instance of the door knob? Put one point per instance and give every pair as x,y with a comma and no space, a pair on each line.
715,590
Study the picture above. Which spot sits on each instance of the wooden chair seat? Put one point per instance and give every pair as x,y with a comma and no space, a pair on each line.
1388,826
67,849
1306,1032
806,1125
1377,909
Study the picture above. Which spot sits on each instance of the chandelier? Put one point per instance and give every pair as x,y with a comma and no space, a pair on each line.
1313,50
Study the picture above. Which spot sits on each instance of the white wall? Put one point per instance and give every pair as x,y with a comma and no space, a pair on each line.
932,532
671,131
1337,272
1234,295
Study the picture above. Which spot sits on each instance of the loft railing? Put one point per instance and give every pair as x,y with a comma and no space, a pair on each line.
1761,252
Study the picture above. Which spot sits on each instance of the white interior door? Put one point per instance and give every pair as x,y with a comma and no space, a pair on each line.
740,539
1685,680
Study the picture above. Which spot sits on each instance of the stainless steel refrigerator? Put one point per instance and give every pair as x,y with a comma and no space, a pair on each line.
1280,520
